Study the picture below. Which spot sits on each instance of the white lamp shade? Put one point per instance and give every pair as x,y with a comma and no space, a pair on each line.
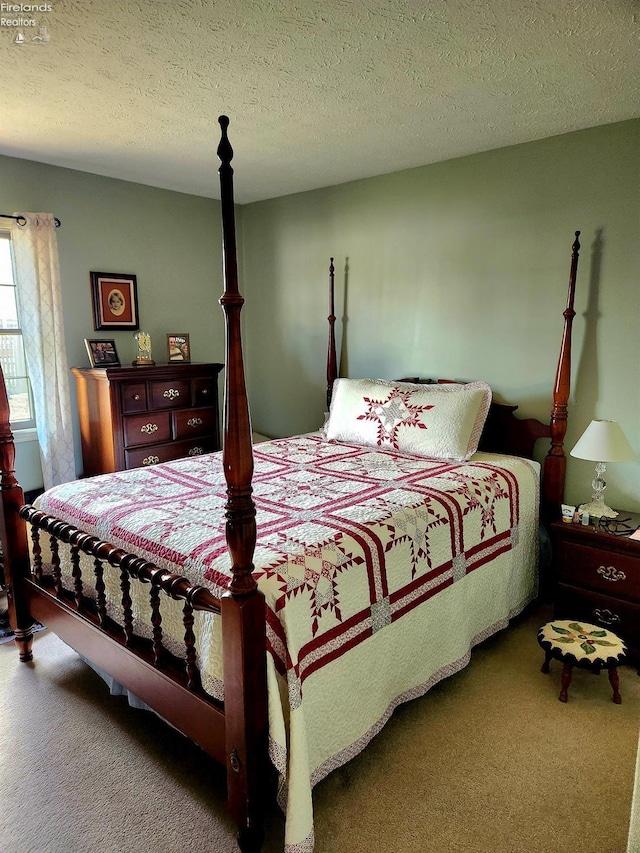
604,441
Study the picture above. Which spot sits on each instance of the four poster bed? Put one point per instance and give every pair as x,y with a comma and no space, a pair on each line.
388,546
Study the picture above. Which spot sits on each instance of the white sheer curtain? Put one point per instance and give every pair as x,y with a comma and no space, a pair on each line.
35,248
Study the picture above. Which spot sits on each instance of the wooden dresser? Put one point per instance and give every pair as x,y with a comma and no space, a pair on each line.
598,578
134,416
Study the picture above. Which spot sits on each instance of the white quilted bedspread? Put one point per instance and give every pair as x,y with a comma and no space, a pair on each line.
380,571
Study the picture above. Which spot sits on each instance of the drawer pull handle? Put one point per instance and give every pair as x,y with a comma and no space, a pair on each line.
610,573
606,617
205,392
171,393
194,422
149,428
136,396
150,460
196,451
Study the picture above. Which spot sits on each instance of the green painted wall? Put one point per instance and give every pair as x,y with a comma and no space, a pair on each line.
459,270
170,241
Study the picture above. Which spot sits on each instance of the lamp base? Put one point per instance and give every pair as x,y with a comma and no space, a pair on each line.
598,509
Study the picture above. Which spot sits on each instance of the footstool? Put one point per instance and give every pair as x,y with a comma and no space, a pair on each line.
584,645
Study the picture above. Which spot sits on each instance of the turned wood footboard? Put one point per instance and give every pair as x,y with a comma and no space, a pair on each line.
80,615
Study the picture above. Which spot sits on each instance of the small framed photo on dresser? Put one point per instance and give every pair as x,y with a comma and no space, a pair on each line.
102,353
178,348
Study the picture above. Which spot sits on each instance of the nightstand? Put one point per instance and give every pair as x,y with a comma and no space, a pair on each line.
597,578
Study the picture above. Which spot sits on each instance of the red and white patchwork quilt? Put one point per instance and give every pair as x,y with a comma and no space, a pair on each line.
356,547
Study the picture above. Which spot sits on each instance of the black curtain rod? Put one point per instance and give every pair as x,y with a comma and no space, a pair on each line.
22,221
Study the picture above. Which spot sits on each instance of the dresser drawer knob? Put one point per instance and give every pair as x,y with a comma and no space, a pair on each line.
196,451
205,392
194,422
171,393
606,617
610,573
136,396
150,460
149,428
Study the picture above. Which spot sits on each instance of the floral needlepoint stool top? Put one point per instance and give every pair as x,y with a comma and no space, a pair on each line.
582,644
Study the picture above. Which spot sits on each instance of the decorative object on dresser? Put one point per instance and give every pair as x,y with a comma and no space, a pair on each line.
102,353
130,418
115,301
602,442
143,359
597,573
178,349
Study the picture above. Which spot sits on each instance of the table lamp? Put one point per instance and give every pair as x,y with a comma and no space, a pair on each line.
602,442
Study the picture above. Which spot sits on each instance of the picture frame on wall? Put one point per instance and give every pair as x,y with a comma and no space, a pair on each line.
101,352
178,349
115,301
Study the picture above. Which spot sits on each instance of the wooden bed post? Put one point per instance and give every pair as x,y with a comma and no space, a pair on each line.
555,464
332,364
13,530
243,608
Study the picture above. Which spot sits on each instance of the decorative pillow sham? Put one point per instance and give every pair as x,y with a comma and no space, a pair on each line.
437,421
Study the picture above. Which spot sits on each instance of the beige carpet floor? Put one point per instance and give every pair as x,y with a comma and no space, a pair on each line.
488,762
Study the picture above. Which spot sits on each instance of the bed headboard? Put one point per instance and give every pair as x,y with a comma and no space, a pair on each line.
503,431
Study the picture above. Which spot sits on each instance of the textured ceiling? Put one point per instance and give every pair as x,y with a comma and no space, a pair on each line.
319,92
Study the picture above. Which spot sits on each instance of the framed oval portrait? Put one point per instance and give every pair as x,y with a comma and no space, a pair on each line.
115,301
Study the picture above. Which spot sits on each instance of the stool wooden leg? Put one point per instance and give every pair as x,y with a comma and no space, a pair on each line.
615,683
567,672
547,660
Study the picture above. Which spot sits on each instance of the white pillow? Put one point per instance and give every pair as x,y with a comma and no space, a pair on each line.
438,421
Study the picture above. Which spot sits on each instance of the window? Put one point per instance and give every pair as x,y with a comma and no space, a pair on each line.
12,355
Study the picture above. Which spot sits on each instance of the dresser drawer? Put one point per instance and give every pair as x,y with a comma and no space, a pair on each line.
134,397
153,454
149,428
204,390
188,423
599,569
621,617
170,394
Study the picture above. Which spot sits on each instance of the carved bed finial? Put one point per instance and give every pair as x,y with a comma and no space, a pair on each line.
225,151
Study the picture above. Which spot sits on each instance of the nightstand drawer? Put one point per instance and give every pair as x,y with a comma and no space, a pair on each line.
600,569
621,617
